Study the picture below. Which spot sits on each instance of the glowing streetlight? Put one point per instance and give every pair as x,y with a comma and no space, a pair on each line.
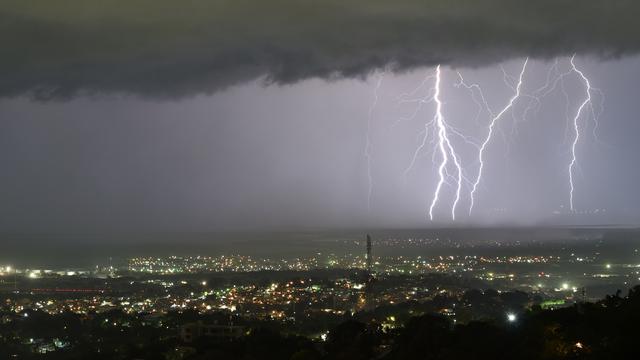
511,317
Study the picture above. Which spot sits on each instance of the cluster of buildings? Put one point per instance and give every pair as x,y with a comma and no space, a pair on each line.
327,283
399,264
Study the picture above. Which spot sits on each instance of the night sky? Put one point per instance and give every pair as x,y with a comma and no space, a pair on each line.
162,116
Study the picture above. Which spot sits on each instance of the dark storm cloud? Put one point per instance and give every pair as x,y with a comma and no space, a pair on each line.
161,48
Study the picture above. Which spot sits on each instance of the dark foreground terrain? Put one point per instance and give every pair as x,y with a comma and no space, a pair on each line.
607,329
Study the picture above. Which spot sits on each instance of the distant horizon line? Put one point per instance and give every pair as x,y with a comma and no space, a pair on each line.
293,230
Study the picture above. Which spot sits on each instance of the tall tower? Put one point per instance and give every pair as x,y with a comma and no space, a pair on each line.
369,257
369,299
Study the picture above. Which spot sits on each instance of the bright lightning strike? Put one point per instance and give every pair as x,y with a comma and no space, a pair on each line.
492,124
437,134
576,127
367,147
572,124
443,138
443,146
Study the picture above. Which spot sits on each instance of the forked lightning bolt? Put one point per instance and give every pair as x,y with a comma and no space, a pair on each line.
576,128
492,125
573,124
444,147
443,138
437,131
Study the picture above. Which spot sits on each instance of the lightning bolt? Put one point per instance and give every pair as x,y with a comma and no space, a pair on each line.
437,133
421,101
444,147
492,125
572,124
576,128
367,147
443,138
